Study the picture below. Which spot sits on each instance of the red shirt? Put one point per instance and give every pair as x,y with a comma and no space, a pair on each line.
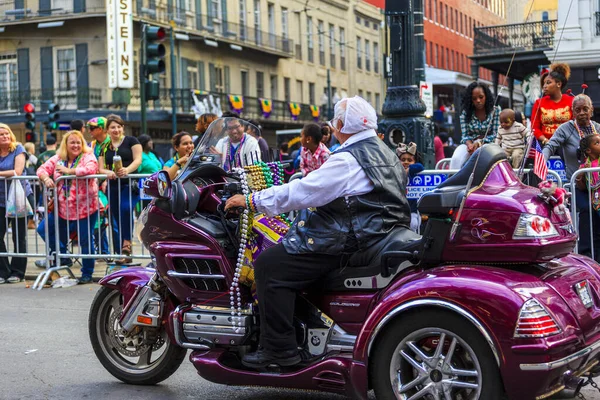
438,146
551,115
311,161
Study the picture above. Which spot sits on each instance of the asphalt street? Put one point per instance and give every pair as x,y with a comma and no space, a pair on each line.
45,353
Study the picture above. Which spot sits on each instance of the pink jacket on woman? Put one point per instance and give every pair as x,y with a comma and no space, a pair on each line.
82,199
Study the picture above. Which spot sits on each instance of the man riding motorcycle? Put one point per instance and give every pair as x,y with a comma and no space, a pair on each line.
360,197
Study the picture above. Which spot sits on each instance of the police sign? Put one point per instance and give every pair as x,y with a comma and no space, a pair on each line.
423,183
557,165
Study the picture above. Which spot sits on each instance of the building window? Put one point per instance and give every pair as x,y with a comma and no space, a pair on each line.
451,23
321,33
367,24
367,55
369,99
311,93
217,83
192,77
245,84
271,19
378,103
311,43
446,14
332,45
435,11
243,20
358,19
9,84
274,94
299,37
286,89
437,56
284,23
257,31
215,9
343,49
358,53
300,91
66,70
260,84
361,93
376,57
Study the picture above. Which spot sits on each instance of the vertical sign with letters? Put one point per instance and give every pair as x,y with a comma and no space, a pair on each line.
119,39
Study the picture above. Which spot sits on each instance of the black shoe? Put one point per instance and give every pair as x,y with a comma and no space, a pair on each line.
263,358
85,279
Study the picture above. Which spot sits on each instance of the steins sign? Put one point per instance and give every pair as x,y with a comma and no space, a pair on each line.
119,39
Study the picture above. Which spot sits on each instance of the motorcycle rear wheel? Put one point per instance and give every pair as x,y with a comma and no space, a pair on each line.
434,355
132,359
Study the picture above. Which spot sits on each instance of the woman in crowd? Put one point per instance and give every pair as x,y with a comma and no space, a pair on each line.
77,199
479,122
202,125
150,162
122,194
555,108
183,145
565,142
12,163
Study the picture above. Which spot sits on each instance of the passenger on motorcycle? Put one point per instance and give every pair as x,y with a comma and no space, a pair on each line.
238,148
360,197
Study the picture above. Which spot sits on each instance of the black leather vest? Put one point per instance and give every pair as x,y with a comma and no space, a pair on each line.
356,222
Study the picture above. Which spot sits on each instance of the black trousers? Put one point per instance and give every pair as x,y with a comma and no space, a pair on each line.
279,276
17,265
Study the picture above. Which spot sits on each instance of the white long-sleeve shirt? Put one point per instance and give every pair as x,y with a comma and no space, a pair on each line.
339,176
249,152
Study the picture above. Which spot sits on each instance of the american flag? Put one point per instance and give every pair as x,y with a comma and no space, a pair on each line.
539,166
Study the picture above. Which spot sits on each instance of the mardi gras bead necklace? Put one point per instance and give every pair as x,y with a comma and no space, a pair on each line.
581,134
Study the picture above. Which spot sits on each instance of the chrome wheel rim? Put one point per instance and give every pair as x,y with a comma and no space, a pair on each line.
434,363
130,353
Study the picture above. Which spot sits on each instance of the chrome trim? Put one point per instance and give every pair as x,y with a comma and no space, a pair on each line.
181,275
436,303
114,281
548,366
178,334
138,303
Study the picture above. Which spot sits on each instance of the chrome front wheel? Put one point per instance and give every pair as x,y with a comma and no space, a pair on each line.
144,356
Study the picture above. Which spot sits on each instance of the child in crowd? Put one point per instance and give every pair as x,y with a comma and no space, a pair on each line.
314,152
511,137
411,161
589,151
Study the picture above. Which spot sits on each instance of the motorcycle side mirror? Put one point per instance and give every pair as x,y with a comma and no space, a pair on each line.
165,187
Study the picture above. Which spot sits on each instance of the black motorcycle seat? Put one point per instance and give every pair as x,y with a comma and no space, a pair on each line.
367,263
450,193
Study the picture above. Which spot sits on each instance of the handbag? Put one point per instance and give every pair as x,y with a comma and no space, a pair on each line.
17,205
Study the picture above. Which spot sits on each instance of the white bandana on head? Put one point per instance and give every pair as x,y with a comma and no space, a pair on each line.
359,115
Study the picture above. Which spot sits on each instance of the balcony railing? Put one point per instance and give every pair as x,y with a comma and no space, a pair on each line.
77,99
211,26
502,39
184,102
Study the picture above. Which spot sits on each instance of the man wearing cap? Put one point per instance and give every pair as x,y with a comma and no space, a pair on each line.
360,197
97,128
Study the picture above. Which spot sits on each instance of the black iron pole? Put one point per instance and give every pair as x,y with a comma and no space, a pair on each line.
144,123
329,99
173,98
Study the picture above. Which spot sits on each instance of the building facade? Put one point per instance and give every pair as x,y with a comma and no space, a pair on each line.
519,11
280,50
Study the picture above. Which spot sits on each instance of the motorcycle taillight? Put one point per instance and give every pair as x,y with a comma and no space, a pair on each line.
535,321
534,226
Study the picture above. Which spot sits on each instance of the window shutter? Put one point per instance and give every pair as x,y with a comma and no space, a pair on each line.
19,5
209,16
23,74
78,6
212,76
45,7
184,73
199,14
201,76
224,16
83,89
227,86
47,70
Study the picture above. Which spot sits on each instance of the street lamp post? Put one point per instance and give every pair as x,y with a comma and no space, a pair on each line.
403,110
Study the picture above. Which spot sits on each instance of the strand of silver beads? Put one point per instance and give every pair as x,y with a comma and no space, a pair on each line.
234,290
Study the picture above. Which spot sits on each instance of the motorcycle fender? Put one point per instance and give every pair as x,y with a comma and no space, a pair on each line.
489,298
128,281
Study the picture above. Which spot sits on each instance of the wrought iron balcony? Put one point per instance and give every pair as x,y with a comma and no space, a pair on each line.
597,23
503,39
19,10
76,99
184,102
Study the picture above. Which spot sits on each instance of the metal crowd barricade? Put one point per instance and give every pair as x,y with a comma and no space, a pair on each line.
443,164
93,223
574,214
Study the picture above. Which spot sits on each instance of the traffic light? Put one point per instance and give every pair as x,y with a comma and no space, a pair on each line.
153,62
53,116
30,137
29,109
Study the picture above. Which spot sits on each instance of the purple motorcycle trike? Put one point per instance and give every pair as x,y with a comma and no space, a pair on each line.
490,306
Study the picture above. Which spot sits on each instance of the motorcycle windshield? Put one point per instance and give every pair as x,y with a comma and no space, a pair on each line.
228,142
